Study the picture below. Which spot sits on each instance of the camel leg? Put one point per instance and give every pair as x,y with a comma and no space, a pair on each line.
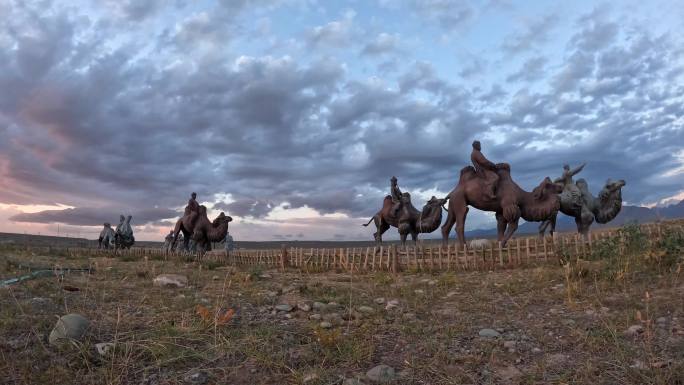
381,230
186,239
376,234
403,236
461,214
414,235
509,231
176,231
446,227
553,225
542,228
500,227
545,224
584,222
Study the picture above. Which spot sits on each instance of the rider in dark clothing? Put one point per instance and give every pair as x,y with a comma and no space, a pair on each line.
485,169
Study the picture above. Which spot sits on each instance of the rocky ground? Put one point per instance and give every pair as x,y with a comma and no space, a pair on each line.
539,325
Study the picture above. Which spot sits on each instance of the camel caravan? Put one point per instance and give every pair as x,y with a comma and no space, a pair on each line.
121,238
489,187
484,185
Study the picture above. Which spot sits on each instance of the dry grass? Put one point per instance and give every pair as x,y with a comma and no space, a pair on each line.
567,322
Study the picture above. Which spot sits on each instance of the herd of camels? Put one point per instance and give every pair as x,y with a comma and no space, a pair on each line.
484,185
489,187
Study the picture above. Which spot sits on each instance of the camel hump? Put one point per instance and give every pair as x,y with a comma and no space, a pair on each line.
467,172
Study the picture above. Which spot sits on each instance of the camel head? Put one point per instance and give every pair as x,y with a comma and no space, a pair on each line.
222,218
405,198
503,166
546,189
612,190
609,202
433,204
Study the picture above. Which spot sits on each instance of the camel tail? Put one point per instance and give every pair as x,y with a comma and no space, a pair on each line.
369,221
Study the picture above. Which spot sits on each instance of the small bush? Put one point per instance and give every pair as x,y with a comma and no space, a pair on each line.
670,248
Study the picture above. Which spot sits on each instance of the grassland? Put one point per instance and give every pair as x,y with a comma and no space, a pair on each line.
564,324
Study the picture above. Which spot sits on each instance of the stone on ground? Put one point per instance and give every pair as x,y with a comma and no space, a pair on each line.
103,348
634,330
171,280
69,327
392,304
381,374
366,310
489,333
197,377
284,307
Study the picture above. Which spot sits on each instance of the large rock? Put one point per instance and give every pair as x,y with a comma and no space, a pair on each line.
171,280
381,374
69,327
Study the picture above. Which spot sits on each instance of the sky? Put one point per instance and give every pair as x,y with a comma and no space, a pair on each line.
292,115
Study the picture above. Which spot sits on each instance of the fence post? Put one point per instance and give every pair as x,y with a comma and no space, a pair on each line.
393,259
283,257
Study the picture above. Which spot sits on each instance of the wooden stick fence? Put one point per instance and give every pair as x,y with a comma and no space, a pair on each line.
394,258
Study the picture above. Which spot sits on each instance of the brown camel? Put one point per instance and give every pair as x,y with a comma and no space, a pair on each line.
408,220
206,232
186,225
510,204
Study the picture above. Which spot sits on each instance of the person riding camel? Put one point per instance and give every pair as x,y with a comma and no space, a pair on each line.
396,194
571,193
485,169
192,208
566,178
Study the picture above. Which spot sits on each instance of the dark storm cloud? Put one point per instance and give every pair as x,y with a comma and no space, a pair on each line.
246,208
84,216
97,122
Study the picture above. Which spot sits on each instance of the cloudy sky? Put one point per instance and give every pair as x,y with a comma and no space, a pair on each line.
292,115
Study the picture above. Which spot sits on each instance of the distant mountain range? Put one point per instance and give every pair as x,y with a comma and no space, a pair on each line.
628,214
